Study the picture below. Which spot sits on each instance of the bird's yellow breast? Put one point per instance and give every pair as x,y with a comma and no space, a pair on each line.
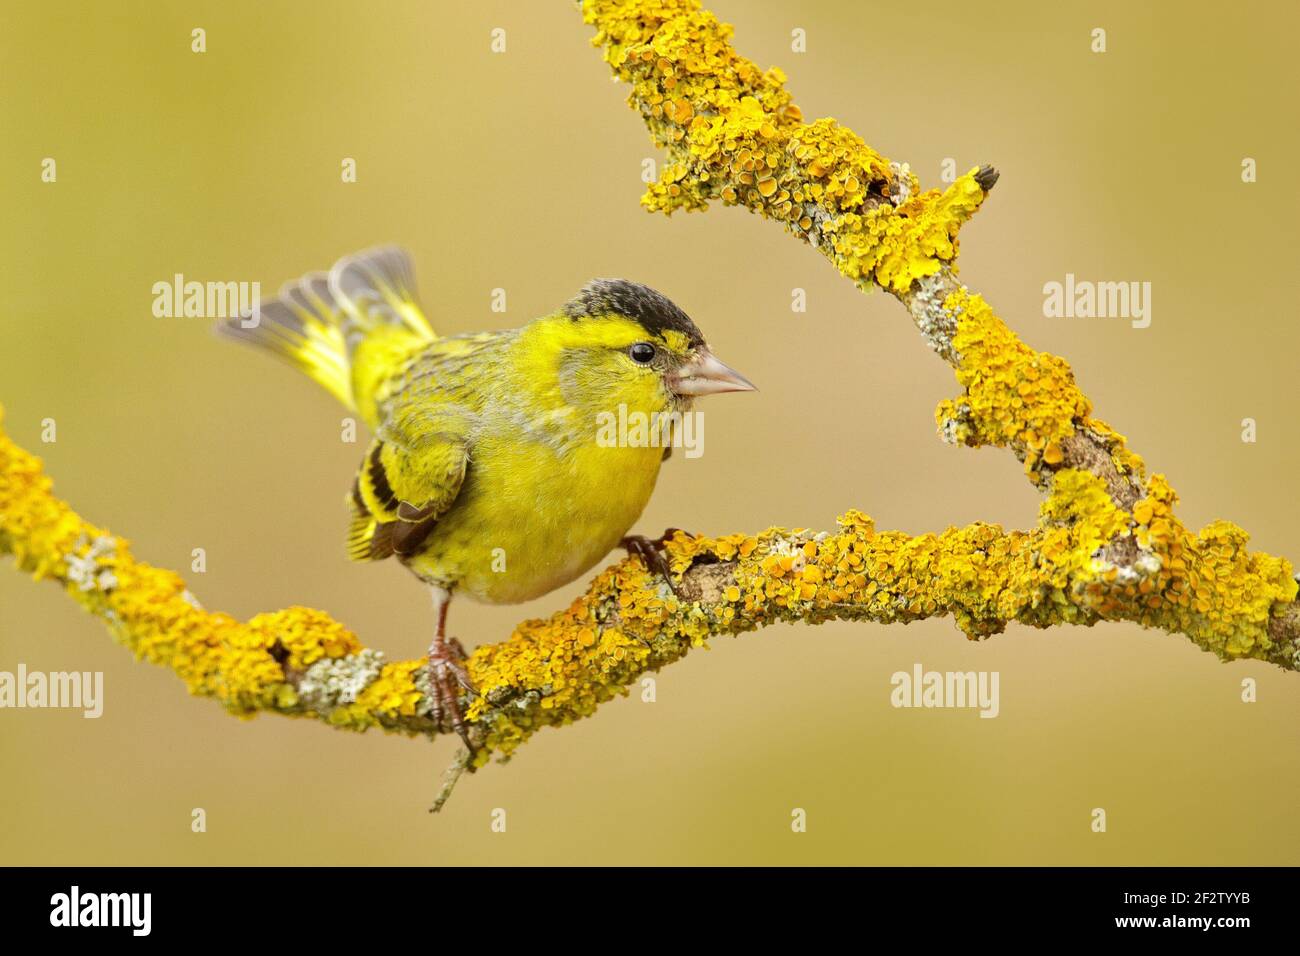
537,511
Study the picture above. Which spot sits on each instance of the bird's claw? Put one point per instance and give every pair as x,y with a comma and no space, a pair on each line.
446,673
651,553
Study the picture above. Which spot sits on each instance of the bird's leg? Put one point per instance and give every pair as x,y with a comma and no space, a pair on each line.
447,674
651,553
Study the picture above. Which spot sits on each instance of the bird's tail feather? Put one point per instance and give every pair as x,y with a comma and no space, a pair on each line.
341,327
376,291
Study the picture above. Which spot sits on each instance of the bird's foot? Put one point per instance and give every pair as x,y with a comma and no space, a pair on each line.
651,553
447,677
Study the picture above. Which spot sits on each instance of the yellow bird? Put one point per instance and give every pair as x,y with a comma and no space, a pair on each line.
489,474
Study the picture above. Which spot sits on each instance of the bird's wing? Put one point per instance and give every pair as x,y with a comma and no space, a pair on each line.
401,491
414,469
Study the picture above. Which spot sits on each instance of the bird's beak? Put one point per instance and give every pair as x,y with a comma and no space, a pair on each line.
702,374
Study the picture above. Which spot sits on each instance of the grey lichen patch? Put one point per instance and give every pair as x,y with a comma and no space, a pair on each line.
948,431
708,583
1130,562
1284,631
814,235
900,189
507,696
1148,563
338,680
1125,575
88,571
938,326
423,683
955,429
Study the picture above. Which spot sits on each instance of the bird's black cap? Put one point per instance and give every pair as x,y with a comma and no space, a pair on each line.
653,310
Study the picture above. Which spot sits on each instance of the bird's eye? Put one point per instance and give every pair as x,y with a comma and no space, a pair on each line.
642,353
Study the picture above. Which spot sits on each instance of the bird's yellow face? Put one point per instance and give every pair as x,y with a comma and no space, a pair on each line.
622,344
615,361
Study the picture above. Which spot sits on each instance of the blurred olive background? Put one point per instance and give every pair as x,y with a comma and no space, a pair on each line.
521,171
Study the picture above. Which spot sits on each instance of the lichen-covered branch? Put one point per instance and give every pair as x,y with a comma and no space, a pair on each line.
1107,545
300,662
734,135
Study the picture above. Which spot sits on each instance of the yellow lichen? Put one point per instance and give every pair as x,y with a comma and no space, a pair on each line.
1017,397
732,133
1014,395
